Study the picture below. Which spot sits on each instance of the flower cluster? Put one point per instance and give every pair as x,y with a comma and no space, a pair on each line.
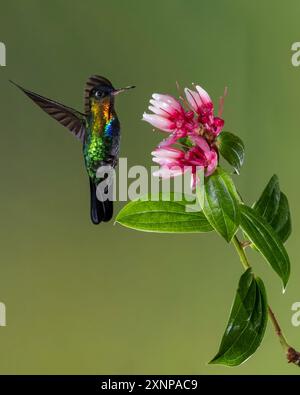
192,133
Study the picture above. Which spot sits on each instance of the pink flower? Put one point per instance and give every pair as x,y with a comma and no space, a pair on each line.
170,160
196,158
192,131
175,162
202,104
169,116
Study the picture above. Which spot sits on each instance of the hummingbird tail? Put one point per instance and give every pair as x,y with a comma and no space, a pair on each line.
100,210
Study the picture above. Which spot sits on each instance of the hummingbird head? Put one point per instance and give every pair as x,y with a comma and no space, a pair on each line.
102,92
100,89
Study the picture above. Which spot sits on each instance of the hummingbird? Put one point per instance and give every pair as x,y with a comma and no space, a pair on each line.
97,128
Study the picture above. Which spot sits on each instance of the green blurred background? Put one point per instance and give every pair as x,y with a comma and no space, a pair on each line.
108,300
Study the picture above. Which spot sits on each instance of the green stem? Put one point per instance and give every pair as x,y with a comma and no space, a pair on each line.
246,264
241,252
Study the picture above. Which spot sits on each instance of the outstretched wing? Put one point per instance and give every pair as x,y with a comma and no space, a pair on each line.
66,116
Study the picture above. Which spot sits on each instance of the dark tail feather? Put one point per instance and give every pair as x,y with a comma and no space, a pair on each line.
96,208
100,210
108,208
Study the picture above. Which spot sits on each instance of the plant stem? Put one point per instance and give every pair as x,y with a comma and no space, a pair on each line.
278,330
292,355
241,252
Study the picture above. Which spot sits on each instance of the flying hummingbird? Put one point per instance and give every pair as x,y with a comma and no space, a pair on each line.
98,129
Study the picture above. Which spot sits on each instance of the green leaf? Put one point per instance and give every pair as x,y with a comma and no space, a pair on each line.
281,222
160,215
221,204
268,202
266,241
273,206
186,142
232,149
247,322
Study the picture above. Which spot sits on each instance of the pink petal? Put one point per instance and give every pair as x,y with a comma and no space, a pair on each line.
194,180
168,153
213,163
158,111
169,141
176,171
200,142
204,96
162,172
167,99
193,99
169,162
167,102
218,125
159,122
164,110
163,161
162,106
165,172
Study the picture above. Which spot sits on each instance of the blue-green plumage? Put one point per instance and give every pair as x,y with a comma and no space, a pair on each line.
102,136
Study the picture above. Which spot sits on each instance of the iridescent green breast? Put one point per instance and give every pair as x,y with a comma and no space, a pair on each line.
99,137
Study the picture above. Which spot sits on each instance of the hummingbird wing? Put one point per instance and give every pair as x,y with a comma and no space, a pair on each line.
66,116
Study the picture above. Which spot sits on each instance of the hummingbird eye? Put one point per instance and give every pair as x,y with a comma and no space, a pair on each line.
99,94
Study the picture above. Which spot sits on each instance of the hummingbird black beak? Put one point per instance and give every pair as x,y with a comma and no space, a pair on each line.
117,91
